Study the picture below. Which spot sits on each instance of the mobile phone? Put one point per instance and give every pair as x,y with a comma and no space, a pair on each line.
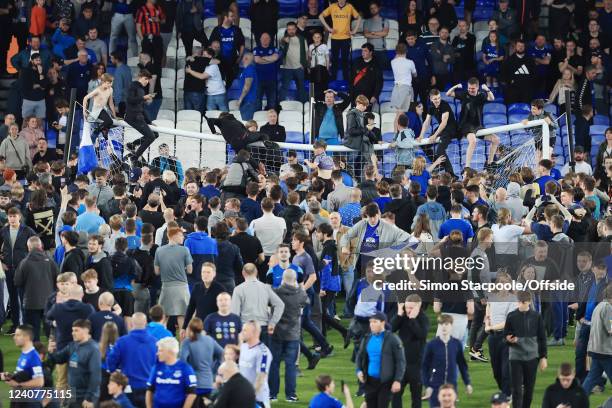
63,182
342,385
157,190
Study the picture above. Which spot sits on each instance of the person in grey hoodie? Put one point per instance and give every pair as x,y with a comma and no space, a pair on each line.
357,137
100,189
202,353
285,340
84,371
36,274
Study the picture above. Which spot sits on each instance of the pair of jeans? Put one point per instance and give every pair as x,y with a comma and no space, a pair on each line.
288,75
560,317
33,318
152,108
498,352
599,365
194,101
119,22
217,102
2,311
310,327
347,284
267,88
523,375
287,351
14,298
248,109
582,342
340,50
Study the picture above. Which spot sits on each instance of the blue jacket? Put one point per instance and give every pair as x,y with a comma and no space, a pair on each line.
22,59
123,401
440,362
83,368
419,54
60,42
135,354
158,331
202,249
330,274
121,83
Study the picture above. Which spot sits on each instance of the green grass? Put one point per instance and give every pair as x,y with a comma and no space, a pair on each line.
340,367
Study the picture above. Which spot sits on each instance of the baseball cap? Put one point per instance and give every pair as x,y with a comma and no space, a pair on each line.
379,316
578,149
499,398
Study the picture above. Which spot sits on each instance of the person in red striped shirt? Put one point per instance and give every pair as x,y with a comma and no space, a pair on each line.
148,21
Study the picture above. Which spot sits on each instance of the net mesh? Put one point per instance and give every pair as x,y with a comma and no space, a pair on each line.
517,149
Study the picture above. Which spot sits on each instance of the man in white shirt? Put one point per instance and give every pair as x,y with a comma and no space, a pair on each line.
269,229
581,166
403,72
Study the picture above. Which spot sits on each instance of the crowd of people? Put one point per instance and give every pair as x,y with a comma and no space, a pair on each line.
150,285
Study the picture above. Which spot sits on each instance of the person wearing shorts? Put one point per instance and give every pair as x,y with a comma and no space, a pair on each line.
173,262
471,120
403,72
445,132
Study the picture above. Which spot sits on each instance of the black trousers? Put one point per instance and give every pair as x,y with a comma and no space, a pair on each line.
187,39
377,394
14,297
229,69
412,378
477,333
498,351
340,50
523,380
154,46
105,118
33,318
433,151
516,93
328,320
421,88
148,136
5,42
138,398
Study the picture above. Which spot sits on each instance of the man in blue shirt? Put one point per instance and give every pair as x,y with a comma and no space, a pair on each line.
351,211
89,221
326,386
380,363
78,74
544,168
456,222
172,382
249,207
266,63
29,371
248,85
201,247
231,39
275,274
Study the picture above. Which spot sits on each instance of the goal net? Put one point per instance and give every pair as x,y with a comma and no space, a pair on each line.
196,147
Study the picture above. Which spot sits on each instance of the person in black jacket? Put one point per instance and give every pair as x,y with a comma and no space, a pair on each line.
203,299
233,131
136,117
74,258
411,325
380,381
14,238
566,391
33,86
292,214
526,338
99,261
275,132
584,92
366,76
518,73
403,208
36,276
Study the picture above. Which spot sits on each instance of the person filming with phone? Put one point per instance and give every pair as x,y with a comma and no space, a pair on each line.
136,117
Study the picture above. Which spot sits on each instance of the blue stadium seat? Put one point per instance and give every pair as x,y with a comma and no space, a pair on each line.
493,119
516,118
551,109
494,108
388,137
516,108
594,150
295,137
601,120
387,86
388,75
598,129
596,140
385,96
